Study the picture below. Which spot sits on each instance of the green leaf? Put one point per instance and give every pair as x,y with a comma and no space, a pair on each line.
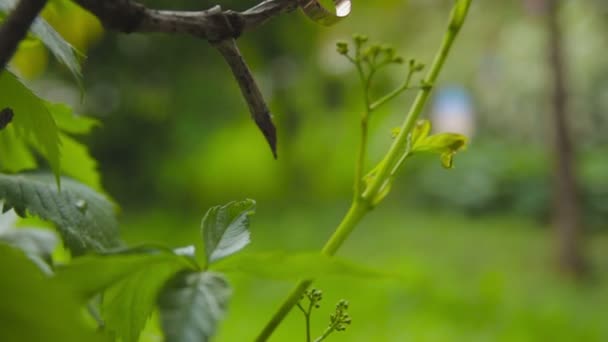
15,155
129,303
75,160
34,307
225,229
284,266
37,244
77,163
191,306
85,219
420,131
444,144
61,49
92,274
130,281
70,122
32,120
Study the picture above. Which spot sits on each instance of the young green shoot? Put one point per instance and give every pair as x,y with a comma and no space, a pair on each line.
339,320
313,297
371,189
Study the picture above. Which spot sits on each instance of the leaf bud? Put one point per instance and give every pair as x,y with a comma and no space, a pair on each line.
398,60
359,39
342,47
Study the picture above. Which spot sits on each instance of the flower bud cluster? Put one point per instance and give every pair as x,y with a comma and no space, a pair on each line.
374,55
340,319
314,296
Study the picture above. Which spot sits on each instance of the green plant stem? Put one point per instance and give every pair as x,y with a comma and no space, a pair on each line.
356,212
405,86
362,151
362,205
361,155
326,333
306,318
284,309
398,147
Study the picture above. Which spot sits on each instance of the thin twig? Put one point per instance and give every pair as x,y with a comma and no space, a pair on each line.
219,27
250,90
15,27
404,86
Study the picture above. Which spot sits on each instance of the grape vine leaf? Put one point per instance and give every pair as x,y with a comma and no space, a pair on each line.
84,218
192,304
225,229
130,280
129,303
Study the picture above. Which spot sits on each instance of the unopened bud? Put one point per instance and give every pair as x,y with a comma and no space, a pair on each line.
342,47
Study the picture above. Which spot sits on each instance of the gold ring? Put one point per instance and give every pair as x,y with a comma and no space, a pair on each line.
315,11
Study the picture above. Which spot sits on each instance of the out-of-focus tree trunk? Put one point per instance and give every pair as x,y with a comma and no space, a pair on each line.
566,211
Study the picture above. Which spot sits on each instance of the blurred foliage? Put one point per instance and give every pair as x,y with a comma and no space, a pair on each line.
176,138
76,26
487,279
195,145
498,179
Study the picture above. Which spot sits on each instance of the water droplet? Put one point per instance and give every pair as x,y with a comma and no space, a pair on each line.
81,205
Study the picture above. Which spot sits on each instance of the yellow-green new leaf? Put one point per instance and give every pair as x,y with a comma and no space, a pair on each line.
420,131
444,144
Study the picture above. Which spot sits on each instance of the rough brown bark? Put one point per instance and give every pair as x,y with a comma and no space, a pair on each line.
567,210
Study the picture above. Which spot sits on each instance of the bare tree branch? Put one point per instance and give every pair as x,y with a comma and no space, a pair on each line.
15,28
217,26
220,28
250,90
213,24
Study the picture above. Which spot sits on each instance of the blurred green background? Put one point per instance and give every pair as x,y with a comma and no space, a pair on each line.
475,244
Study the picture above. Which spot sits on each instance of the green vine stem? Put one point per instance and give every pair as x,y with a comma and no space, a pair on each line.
362,204
306,320
394,93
